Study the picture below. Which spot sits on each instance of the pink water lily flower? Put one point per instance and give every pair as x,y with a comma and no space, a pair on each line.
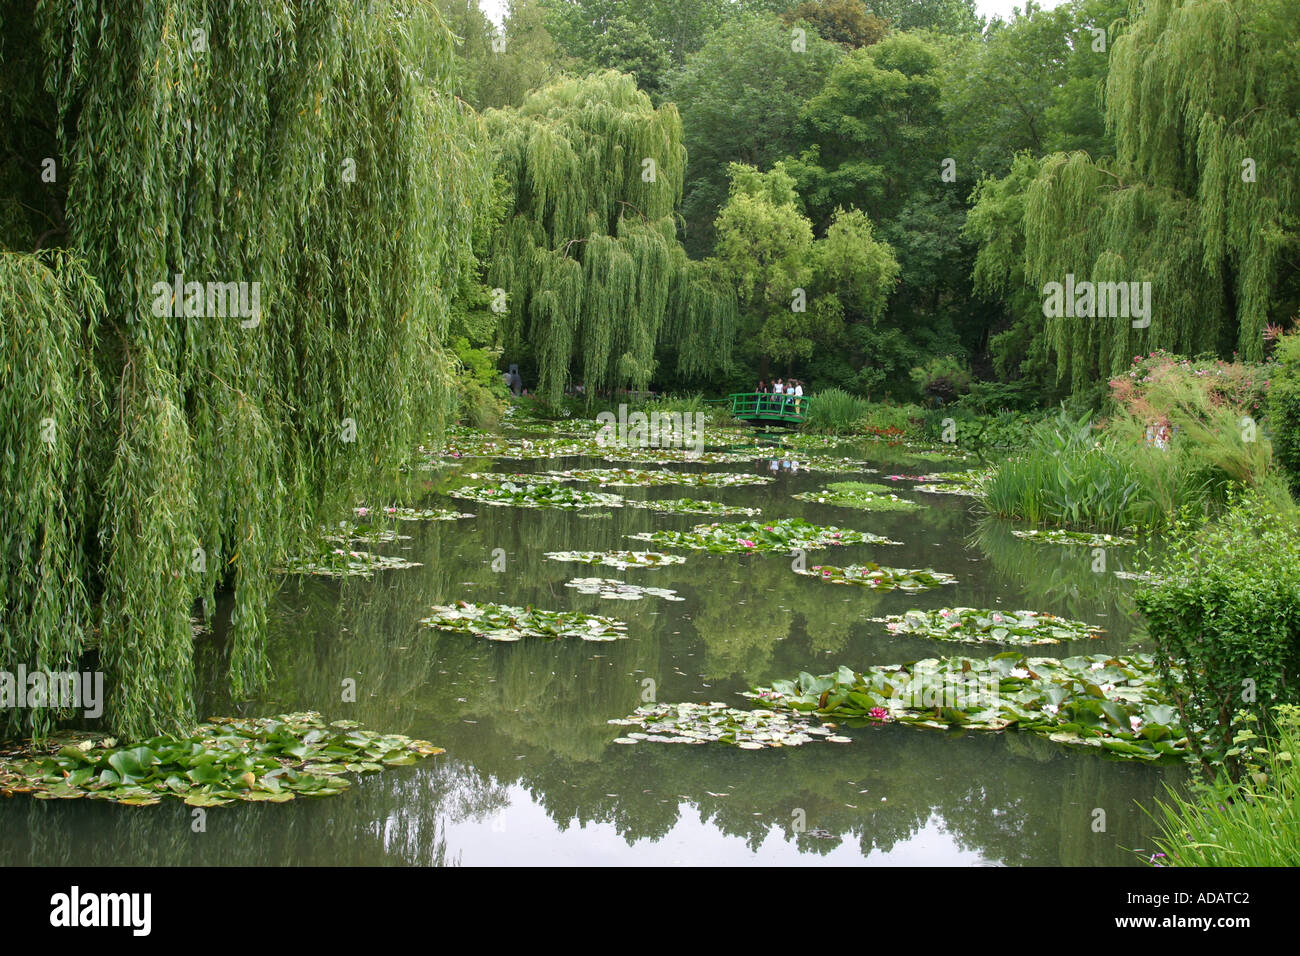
746,542
879,713
363,511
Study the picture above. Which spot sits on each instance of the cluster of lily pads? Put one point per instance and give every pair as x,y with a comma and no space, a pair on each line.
1082,538
349,533
637,478
829,463
613,589
551,494
465,443
858,494
1114,703
880,578
394,513
783,534
345,563
691,506
226,759
580,438
973,626
967,483
618,559
502,622
665,456
691,723
508,494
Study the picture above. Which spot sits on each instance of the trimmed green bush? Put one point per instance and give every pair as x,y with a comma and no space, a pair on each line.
1224,613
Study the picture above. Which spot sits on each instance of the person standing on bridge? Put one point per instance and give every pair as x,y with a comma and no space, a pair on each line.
798,397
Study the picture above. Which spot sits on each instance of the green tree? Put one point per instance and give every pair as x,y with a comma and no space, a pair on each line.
1199,200
952,17
518,59
181,443
739,98
587,258
846,22
795,294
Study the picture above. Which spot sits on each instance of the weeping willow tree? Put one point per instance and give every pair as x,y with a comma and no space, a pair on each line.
594,280
1202,98
259,211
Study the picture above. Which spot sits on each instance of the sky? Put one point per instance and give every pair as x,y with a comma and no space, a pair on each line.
495,9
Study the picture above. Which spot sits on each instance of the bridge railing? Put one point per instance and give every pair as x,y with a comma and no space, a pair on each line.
764,406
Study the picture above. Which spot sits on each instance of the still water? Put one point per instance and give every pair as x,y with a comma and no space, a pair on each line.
531,776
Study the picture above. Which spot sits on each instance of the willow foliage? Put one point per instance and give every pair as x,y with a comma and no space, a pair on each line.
1202,98
310,150
587,254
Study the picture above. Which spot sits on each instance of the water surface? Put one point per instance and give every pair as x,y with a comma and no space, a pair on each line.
531,776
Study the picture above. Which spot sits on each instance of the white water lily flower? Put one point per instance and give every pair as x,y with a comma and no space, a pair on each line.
1051,709
1019,672
1135,722
1097,665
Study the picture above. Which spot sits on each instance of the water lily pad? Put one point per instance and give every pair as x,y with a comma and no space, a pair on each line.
700,723
635,478
1112,703
502,622
880,578
225,759
618,559
411,514
342,562
691,506
535,495
1080,538
860,495
781,535
612,589
973,626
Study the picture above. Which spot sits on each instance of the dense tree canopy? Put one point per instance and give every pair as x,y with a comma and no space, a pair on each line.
1202,101
587,255
182,428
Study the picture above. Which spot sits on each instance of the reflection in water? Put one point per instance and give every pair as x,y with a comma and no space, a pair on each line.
531,776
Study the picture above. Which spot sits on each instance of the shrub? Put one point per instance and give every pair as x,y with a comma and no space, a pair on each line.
892,421
1284,407
1253,824
480,390
942,378
1224,613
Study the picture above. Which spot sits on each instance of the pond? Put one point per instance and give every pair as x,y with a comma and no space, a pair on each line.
531,774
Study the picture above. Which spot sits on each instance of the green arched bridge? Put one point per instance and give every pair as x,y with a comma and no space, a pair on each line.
765,407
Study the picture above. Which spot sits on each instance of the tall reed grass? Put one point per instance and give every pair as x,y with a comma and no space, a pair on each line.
1075,475
835,412
1256,823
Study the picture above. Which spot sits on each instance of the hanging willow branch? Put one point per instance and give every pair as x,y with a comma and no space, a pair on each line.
1201,96
310,150
574,156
